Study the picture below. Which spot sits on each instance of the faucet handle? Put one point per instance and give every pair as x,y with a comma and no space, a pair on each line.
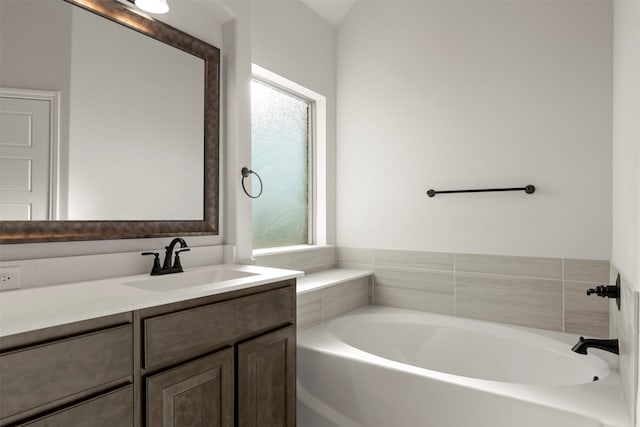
156,262
176,263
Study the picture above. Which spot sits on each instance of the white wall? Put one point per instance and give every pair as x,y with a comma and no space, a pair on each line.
625,255
626,142
466,94
236,62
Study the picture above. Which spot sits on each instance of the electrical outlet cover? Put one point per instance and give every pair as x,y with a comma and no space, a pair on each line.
9,278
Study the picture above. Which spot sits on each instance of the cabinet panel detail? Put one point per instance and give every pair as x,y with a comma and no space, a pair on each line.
266,380
196,394
188,333
42,374
113,409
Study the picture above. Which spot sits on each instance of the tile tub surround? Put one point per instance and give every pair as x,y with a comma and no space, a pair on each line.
625,325
309,259
324,292
318,304
547,293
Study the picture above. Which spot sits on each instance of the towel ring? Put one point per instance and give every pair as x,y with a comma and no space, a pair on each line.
245,173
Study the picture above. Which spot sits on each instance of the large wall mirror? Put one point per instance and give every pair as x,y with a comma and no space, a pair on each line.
109,124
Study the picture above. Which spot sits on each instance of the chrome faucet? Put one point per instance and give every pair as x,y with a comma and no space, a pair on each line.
167,268
607,345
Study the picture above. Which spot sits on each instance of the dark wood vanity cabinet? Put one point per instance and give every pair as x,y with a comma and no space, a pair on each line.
80,374
202,392
224,360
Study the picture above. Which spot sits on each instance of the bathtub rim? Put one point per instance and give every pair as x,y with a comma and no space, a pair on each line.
527,337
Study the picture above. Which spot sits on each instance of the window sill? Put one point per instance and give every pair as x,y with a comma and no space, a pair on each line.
288,249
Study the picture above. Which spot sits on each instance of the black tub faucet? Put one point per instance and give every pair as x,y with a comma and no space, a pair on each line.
167,268
607,345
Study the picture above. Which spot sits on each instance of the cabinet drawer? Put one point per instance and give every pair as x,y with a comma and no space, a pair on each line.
113,409
190,333
45,373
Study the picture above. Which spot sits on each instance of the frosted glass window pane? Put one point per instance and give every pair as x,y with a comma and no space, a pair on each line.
279,131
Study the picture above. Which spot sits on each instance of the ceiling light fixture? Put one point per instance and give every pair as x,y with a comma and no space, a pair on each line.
153,6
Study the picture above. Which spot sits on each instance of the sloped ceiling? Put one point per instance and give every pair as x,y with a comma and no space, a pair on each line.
331,10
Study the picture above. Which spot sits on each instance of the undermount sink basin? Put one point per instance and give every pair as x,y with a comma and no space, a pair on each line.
171,282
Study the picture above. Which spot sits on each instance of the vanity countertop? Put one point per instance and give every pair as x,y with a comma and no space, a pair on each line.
37,308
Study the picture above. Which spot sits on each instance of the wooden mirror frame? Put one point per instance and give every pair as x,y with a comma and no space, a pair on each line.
56,231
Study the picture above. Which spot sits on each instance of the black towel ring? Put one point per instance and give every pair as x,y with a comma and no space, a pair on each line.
245,173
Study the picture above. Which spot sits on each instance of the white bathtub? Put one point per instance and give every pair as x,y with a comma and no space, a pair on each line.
387,367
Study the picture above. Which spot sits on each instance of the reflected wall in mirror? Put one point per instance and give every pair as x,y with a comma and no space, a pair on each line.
110,128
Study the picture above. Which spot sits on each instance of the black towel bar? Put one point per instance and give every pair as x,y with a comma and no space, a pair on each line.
529,189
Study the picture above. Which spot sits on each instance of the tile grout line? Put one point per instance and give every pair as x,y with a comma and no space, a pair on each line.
455,298
563,300
373,289
373,277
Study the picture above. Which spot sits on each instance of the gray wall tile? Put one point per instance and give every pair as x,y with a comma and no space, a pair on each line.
308,260
349,265
584,314
435,281
548,268
313,260
345,297
627,332
413,259
424,290
414,299
613,325
520,301
355,255
585,270
273,260
309,309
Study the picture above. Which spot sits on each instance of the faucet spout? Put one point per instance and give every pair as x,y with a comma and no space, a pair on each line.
169,251
607,345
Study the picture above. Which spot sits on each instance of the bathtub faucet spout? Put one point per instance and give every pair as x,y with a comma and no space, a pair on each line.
606,345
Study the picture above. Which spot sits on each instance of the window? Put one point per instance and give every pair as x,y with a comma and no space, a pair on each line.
281,154
289,133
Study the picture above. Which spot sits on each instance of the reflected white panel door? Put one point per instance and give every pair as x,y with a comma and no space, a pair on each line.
25,132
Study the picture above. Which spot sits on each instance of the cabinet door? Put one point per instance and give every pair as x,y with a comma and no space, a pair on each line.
267,380
195,394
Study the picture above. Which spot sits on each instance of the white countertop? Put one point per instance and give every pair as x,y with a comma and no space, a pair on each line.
36,308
